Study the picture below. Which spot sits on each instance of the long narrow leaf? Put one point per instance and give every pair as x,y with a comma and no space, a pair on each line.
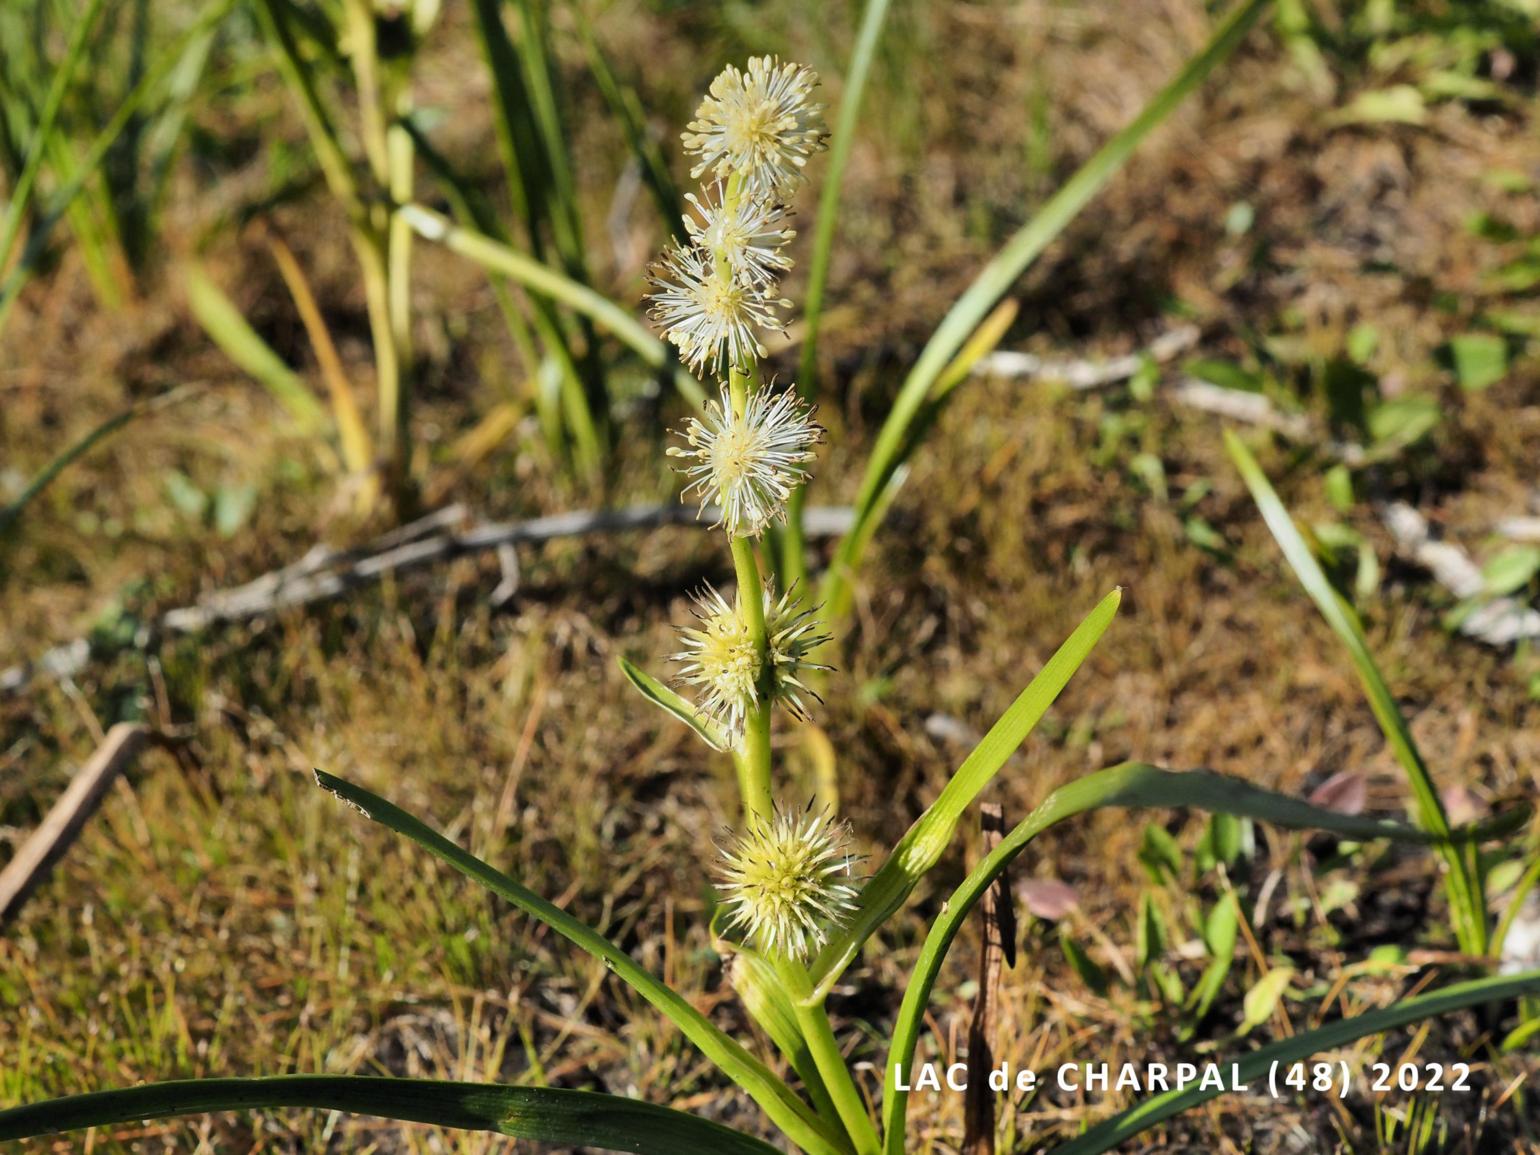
872,19
923,844
627,111
996,278
1133,785
1120,1128
229,329
788,1112
579,1118
59,203
1465,901
74,56
72,453
546,281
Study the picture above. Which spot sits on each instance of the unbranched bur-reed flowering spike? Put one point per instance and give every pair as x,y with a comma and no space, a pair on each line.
786,880
749,233
721,662
712,318
761,124
749,462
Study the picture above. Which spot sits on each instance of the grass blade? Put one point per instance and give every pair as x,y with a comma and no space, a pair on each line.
228,329
21,195
924,843
546,281
61,200
9,514
1464,880
549,1115
1107,1135
1133,785
785,1110
352,432
872,19
996,278
628,113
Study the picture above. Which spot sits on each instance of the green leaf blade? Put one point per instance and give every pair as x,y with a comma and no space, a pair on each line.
1133,785
924,843
1111,1133
546,1114
788,1112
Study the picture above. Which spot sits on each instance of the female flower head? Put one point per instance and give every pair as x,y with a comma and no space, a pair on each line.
761,124
710,317
719,658
749,462
749,233
785,880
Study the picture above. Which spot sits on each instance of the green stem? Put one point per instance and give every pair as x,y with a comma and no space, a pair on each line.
813,1021
755,759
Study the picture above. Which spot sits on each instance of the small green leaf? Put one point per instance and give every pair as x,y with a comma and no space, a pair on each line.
1512,569
1160,853
233,506
1520,1035
671,703
184,494
1262,999
1339,488
1479,360
1084,966
1362,341
1398,104
1225,374
1221,927
1402,421
1150,941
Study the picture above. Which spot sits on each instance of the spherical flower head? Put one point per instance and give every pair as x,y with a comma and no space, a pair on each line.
727,670
793,632
749,233
710,315
785,880
749,462
761,124
720,660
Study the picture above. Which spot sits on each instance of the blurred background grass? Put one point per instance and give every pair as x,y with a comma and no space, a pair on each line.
1346,212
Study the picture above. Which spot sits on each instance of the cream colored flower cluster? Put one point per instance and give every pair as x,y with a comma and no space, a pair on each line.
785,876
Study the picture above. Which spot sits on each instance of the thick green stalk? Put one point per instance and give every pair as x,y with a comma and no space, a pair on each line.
755,770
813,1021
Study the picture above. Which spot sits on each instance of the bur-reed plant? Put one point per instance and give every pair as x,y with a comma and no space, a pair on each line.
796,904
